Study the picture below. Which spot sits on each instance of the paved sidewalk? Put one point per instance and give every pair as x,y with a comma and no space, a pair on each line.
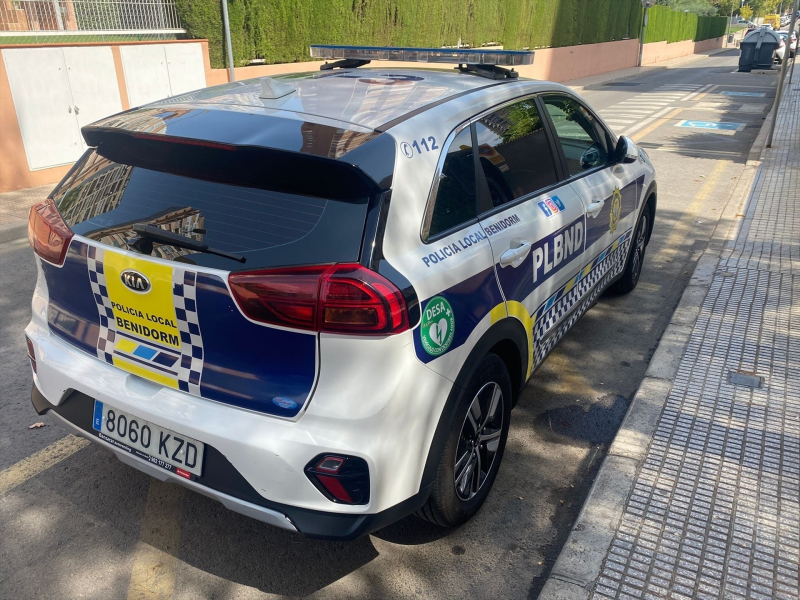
622,74
14,207
700,494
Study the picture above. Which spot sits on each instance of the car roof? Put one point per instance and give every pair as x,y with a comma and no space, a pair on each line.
365,97
330,114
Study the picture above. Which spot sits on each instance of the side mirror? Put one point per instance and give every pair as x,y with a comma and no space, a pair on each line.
627,151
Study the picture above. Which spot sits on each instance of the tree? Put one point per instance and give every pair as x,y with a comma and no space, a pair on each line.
727,7
759,7
746,13
699,7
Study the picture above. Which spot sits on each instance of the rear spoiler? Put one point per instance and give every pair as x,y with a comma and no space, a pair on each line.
353,177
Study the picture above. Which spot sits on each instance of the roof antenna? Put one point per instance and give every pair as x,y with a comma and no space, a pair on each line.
272,89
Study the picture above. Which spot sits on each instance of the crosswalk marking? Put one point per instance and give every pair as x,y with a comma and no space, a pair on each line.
631,130
626,111
633,114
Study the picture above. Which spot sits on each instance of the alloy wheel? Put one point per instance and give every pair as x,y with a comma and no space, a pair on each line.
638,252
479,441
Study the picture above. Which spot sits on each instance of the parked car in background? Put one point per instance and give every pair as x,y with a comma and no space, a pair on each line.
780,53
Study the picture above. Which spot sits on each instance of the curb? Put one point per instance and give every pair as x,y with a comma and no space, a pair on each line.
13,231
578,565
646,70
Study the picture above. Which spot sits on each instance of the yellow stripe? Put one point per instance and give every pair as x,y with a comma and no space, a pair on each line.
45,458
706,93
655,125
569,285
587,270
498,313
164,380
684,224
518,310
126,345
156,560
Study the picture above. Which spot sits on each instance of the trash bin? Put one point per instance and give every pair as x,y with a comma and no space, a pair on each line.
730,39
758,48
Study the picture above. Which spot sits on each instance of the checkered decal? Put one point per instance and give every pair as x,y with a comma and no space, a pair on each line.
591,280
108,327
184,294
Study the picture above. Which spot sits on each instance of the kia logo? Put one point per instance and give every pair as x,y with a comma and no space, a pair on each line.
135,281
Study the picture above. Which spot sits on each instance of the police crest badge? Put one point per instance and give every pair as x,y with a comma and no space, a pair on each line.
616,209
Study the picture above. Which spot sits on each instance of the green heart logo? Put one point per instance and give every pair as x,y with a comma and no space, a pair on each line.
438,326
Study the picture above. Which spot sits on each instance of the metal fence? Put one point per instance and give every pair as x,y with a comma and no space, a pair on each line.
25,18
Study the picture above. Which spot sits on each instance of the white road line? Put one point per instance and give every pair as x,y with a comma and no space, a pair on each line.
642,124
618,116
620,121
651,106
624,109
643,102
698,92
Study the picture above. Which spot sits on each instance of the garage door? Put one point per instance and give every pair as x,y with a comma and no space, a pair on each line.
55,92
156,71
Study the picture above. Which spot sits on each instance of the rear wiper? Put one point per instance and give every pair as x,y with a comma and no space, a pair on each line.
147,234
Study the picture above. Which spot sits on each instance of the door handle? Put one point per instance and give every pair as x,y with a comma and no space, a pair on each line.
514,257
594,208
77,110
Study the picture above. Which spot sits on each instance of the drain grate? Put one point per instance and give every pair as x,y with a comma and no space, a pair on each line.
621,84
745,379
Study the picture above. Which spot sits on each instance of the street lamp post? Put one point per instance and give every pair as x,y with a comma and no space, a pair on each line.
227,25
646,4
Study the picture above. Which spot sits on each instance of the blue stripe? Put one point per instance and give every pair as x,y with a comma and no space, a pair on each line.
471,300
97,419
145,352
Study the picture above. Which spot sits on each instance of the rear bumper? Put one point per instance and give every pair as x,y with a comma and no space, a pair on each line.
227,486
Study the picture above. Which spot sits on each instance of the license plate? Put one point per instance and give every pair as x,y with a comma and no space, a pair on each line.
165,448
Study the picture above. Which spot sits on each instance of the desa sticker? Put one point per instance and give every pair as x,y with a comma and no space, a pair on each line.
438,326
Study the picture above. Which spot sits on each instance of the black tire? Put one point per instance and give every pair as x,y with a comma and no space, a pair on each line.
451,504
635,262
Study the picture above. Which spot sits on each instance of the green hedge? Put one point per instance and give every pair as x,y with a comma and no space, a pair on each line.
281,30
667,25
711,27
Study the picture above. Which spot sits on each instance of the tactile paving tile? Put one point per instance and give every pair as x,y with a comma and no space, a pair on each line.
715,507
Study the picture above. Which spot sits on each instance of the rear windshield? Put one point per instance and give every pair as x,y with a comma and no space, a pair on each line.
103,199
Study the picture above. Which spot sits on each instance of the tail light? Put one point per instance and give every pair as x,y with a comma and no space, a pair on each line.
47,232
31,353
345,298
341,479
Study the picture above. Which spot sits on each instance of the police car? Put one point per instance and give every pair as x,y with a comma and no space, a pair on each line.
316,298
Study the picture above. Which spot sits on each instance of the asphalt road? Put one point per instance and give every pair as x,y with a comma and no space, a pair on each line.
90,527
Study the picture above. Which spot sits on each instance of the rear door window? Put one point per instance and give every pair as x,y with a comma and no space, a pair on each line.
514,152
455,197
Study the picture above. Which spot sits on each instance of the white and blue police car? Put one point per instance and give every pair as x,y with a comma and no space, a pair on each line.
316,298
